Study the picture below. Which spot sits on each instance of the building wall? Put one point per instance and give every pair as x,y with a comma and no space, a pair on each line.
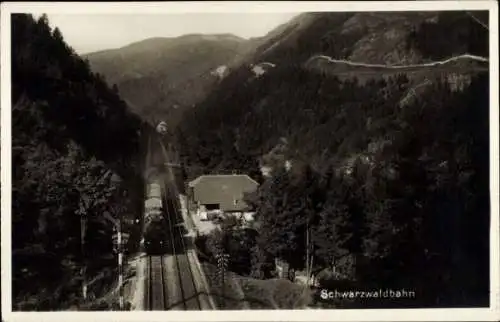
247,217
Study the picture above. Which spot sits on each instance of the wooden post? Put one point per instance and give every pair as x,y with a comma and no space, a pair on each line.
307,249
310,273
223,278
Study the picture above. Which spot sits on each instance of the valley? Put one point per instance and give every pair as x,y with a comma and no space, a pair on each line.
339,151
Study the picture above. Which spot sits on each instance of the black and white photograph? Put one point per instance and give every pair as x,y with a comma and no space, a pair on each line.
268,156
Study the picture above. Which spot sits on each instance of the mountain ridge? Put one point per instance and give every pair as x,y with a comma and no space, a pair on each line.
148,73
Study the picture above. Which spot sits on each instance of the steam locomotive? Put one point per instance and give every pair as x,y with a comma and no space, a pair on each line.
156,240
155,236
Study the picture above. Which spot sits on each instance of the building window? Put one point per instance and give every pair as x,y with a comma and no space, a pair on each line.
235,202
212,206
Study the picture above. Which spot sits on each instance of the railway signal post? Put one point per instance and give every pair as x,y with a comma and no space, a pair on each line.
119,239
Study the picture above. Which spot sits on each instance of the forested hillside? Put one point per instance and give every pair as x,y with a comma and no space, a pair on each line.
391,171
75,155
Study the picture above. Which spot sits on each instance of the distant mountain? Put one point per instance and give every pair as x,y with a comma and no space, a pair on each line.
159,77
370,38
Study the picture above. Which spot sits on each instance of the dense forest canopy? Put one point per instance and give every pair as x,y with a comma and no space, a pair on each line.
75,153
394,179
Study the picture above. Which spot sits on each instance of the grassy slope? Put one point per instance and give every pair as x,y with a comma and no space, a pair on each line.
257,294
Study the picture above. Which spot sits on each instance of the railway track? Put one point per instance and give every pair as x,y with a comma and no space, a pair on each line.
187,283
170,280
156,290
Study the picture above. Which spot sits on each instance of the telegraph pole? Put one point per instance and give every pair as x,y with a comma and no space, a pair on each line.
119,242
222,262
83,223
120,262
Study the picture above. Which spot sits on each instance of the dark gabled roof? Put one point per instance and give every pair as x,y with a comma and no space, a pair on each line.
226,178
223,190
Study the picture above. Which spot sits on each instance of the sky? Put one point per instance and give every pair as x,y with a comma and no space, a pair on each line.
93,32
